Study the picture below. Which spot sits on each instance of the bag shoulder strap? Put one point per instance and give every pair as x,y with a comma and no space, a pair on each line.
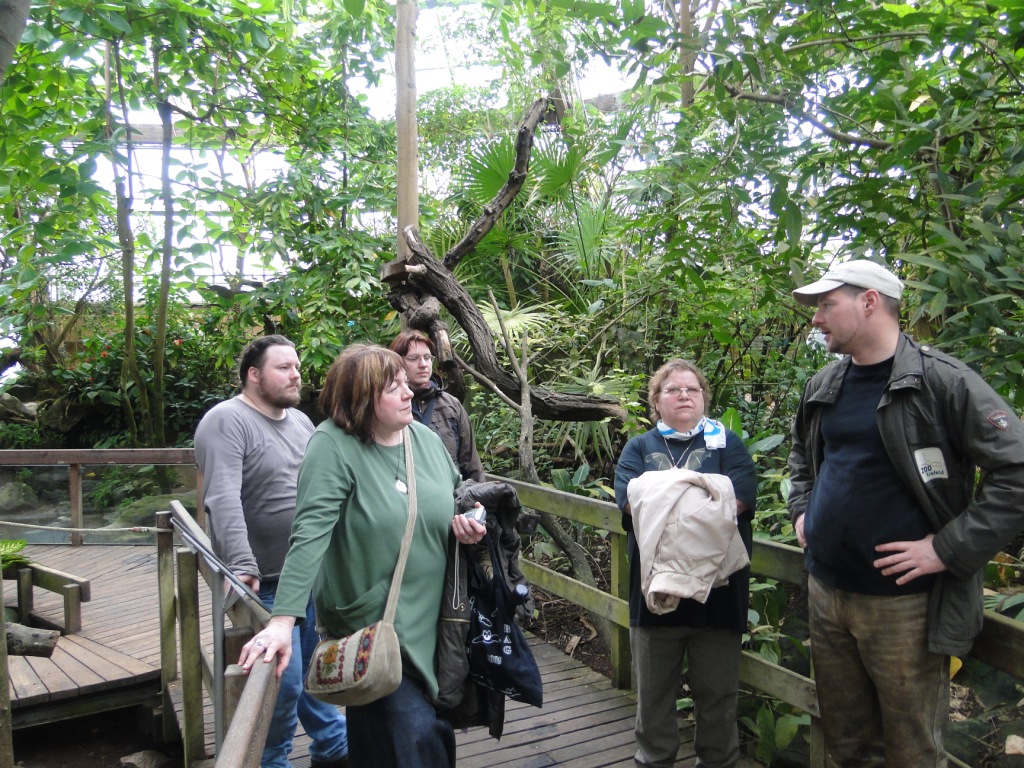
403,553
428,411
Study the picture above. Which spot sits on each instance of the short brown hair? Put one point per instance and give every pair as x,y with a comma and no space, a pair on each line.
406,339
658,379
255,353
355,380
891,305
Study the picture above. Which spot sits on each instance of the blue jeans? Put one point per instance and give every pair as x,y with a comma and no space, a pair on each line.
323,723
402,730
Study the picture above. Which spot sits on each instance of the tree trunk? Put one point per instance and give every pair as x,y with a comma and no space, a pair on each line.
126,240
422,281
434,279
13,18
579,564
28,641
160,340
405,122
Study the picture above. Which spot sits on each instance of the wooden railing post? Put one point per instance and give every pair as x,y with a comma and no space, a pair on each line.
168,639
6,737
619,653
72,609
193,726
77,515
26,600
234,680
816,744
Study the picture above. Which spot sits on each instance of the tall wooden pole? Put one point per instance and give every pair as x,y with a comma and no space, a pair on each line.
405,118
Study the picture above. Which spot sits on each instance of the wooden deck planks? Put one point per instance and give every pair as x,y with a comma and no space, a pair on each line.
58,683
119,644
584,723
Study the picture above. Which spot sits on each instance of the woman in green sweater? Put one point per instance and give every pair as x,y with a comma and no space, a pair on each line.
350,518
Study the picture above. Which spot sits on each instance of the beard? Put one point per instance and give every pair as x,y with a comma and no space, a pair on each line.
285,398
835,346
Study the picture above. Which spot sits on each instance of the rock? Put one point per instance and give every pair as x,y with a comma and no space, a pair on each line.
143,511
1014,746
16,497
61,415
147,758
12,409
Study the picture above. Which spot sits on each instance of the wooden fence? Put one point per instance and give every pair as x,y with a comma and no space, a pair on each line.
1000,644
76,459
245,703
242,705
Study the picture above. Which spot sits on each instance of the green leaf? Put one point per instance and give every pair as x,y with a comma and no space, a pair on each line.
732,420
9,549
260,39
115,20
766,444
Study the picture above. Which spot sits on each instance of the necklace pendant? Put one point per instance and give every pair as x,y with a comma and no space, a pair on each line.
400,486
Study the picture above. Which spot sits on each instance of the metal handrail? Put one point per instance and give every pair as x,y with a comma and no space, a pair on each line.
242,705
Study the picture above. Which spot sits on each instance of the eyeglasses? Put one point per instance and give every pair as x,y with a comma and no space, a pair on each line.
415,359
677,391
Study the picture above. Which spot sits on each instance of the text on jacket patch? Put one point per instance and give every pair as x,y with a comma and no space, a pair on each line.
930,464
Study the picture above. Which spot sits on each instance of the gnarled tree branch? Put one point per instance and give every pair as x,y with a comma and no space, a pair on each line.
425,280
437,281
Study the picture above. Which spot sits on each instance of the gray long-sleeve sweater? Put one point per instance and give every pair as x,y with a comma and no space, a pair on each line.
250,464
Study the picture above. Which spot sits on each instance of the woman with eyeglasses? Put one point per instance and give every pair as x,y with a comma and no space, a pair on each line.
435,408
707,635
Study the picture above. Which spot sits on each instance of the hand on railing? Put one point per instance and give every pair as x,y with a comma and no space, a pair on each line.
252,582
274,639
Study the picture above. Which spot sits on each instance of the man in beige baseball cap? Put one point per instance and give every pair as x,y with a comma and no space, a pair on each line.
886,443
860,273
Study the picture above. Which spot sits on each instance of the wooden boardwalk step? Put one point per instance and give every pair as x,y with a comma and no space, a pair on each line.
114,660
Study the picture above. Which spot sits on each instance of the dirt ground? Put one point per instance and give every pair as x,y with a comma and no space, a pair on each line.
98,741
566,626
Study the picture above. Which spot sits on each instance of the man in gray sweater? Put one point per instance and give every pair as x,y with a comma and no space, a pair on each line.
249,449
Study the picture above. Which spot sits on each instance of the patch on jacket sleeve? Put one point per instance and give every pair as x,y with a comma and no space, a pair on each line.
1000,420
930,464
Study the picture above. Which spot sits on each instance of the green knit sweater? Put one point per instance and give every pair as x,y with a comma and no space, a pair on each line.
348,528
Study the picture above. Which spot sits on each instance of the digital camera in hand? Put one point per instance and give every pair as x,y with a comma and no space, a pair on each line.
479,514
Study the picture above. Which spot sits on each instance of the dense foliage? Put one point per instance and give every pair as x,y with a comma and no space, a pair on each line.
753,144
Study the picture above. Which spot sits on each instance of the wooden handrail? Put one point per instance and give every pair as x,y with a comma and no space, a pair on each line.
1000,644
75,458
45,457
242,744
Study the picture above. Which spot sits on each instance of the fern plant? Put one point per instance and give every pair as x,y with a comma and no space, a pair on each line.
9,553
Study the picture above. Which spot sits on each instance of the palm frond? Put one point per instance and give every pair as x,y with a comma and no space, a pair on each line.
535,319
